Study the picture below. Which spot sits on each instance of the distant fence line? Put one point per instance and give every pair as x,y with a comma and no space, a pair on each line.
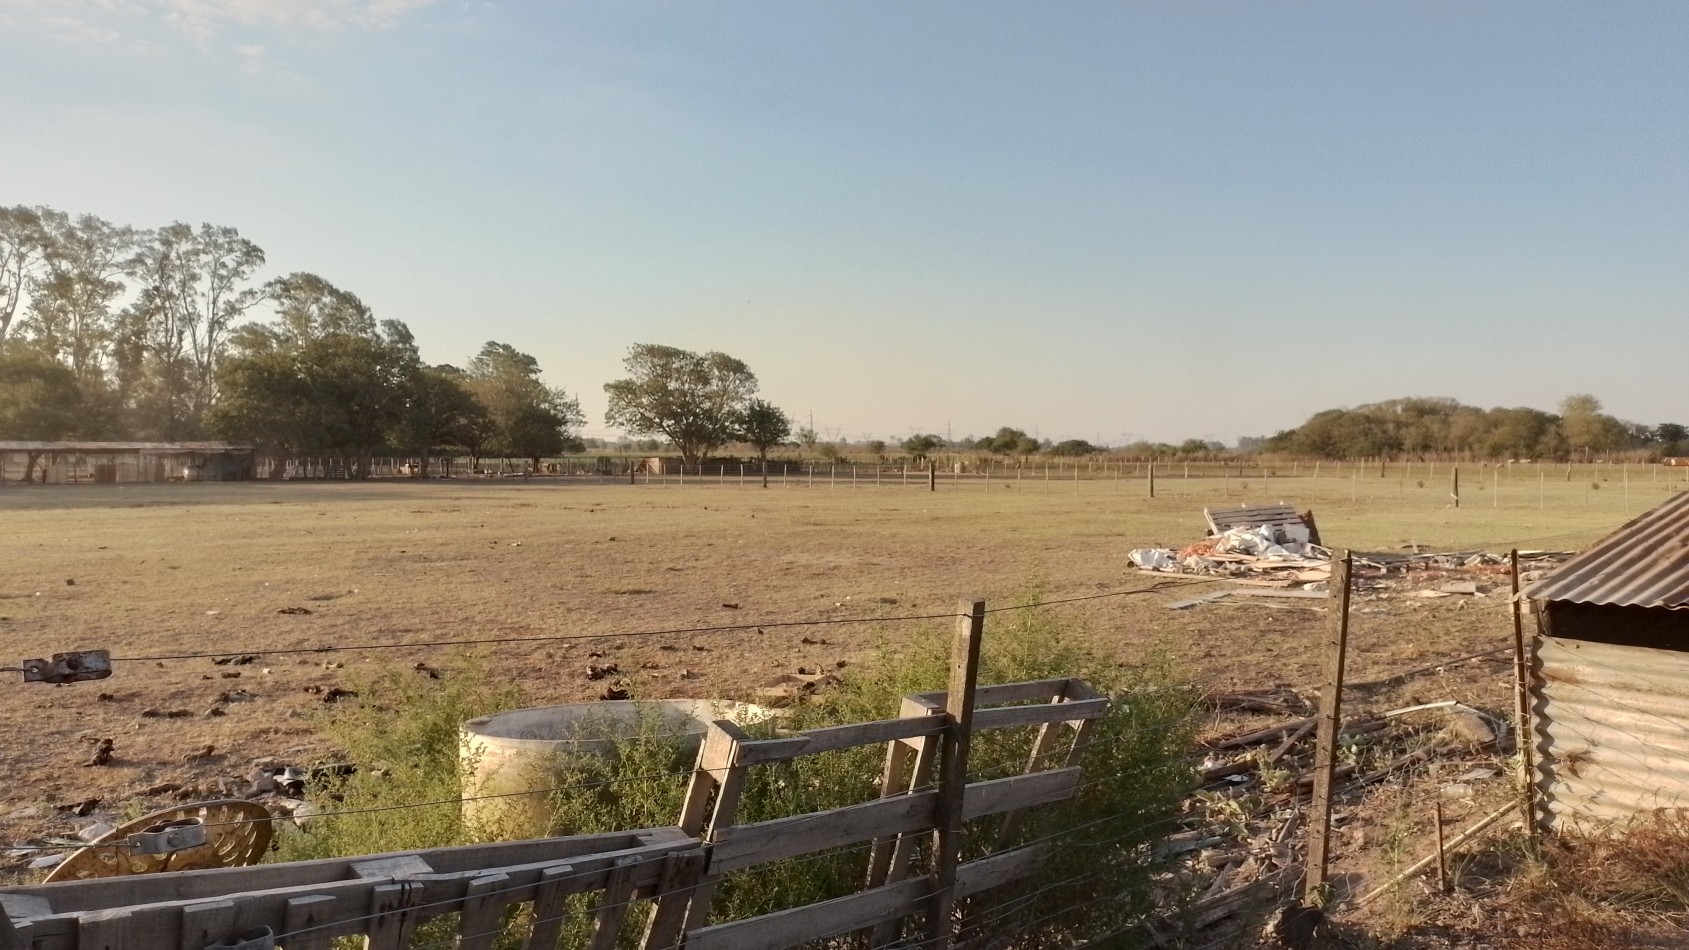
1514,484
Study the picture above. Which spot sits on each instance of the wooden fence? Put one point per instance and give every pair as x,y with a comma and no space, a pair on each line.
521,888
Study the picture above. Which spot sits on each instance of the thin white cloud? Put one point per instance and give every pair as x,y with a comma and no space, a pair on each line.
252,58
204,20
78,30
317,15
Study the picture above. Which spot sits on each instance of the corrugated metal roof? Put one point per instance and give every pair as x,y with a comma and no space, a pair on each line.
1610,729
96,448
1643,564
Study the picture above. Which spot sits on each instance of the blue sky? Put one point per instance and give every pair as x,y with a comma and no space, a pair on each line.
1092,220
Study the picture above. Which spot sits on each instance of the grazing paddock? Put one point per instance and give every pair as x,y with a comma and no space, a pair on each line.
200,568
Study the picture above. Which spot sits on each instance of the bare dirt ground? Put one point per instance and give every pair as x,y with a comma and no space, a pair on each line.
257,569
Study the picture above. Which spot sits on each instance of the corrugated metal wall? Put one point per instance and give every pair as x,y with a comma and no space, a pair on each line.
1612,729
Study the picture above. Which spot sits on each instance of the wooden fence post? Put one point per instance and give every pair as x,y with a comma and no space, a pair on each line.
953,769
1454,485
1522,706
1152,479
1330,717
932,476
1442,858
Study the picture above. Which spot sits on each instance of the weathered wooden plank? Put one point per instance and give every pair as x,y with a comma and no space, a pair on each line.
1041,759
612,907
392,868
549,907
999,693
392,919
949,814
772,750
730,784
20,934
205,923
1198,600
837,737
680,876
212,884
105,930
898,755
998,869
484,900
1078,689
347,916
303,920
1018,791
1271,592
764,841
813,922
1004,717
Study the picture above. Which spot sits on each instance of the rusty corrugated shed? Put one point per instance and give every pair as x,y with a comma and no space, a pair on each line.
1612,734
1643,564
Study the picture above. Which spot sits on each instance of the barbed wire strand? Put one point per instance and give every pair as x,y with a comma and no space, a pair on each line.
672,631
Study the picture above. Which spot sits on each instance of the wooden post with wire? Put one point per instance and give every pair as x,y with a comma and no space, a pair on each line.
1454,486
953,770
1522,705
1330,717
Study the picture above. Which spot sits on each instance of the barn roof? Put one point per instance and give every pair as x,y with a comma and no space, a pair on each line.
98,448
1643,564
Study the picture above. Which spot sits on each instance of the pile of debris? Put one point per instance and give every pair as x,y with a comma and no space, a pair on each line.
1277,547
1241,541
1245,848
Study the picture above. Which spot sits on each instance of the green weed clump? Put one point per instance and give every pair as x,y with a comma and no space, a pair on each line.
402,737
1097,876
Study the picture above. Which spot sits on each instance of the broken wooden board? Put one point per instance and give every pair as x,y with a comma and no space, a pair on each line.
1194,601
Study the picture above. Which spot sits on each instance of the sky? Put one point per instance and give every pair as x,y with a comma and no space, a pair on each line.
1108,221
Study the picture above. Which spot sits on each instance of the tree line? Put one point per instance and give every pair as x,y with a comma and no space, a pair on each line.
1435,427
113,332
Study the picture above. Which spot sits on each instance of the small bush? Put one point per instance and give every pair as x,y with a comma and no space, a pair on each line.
403,739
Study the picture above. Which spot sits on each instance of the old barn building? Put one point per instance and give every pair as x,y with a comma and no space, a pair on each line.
1610,684
105,463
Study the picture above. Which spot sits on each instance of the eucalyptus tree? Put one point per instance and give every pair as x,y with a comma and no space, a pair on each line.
194,285
71,306
20,252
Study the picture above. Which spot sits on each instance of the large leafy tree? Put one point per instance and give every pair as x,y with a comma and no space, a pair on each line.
323,377
764,426
439,412
339,393
695,400
39,400
528,418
